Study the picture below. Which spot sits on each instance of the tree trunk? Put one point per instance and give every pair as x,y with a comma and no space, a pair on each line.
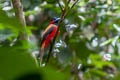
20,15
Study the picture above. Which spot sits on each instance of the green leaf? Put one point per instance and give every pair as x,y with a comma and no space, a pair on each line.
15,62
5,34
27,13
96,60
52,73
80,48
10,23
117,77
51,1
98,73
64,56
106,42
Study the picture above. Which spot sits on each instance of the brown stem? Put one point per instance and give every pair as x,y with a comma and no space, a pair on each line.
71,7
69,1
107,36
60,5
74,4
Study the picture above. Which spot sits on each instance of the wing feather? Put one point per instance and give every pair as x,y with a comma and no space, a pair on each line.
46,33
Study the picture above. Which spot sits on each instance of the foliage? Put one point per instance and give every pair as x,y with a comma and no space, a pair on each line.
89,33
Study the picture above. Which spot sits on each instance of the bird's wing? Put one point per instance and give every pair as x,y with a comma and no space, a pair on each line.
47,32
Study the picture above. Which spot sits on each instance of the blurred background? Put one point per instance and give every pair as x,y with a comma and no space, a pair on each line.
88,47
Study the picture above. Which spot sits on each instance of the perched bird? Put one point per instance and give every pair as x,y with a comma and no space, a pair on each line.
48,35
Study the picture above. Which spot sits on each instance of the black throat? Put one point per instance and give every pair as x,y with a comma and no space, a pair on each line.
56,24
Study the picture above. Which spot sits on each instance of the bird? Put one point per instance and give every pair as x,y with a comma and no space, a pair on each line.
48,35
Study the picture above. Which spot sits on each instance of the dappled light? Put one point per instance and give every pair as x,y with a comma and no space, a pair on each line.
59,39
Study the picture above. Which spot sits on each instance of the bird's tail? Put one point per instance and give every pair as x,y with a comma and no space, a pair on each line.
42,51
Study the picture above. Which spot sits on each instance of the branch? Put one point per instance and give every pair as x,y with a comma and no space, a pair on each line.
19,14
69,1
107,36
60,5
74,3
71,7
64,14
19,11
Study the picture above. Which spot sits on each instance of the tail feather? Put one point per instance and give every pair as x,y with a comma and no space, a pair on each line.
42,52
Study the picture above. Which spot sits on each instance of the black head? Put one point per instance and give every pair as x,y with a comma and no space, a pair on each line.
54,21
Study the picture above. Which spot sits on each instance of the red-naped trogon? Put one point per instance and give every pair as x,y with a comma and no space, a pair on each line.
48,35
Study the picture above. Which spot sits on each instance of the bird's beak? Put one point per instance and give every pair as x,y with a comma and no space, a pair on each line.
57,19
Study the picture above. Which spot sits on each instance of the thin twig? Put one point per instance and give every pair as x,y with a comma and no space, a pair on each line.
60,5
107,37
74,4
71,7
64,14
69,1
